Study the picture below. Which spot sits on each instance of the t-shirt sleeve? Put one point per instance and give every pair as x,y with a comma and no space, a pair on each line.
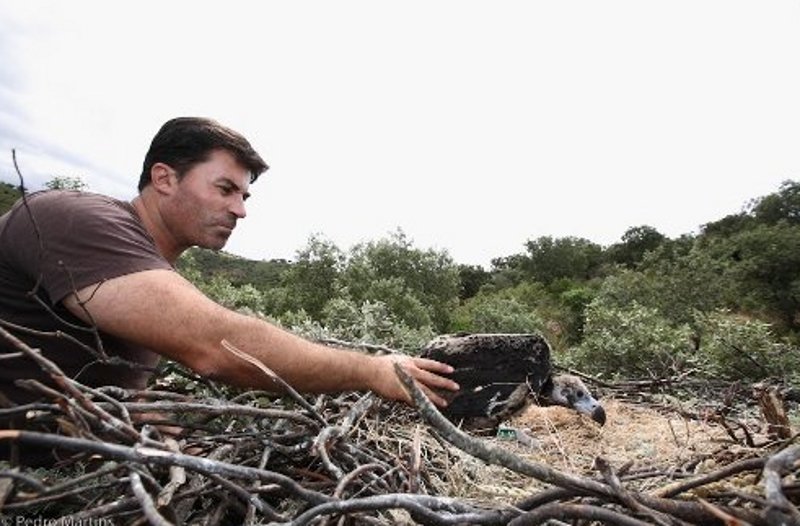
76,240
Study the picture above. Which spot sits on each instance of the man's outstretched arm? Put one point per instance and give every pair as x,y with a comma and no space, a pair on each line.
160,310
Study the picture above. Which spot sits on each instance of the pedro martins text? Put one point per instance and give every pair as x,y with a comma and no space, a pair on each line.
42,521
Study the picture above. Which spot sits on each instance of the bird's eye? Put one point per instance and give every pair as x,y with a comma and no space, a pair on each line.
579,394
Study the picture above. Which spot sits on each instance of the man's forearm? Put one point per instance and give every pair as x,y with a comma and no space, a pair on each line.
304,365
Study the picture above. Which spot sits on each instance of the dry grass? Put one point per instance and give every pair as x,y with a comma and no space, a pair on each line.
636,438
633,433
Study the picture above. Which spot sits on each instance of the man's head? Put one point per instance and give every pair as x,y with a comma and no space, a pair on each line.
184,142
195,180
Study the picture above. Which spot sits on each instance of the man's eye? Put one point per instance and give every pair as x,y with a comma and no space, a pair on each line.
225,190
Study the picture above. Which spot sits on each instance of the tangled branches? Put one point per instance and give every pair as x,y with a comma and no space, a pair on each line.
159,457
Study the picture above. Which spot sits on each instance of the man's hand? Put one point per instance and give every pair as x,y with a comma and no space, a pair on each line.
426,372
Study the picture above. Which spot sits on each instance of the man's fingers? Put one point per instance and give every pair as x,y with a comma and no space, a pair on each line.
437,400
427,373
432,365
420,370
433,380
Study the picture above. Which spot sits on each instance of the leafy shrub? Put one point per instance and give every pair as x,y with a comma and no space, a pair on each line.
496,313
675,288
394,272
312,280
632,342
574,303
277,300
370,322
66,183
399,300
220,289
740,348
228,295
8,196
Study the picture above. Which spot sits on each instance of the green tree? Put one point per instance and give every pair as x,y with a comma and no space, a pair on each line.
394,272
312,281
372,322
765,270
8,196
567,257
783,205
66,183
728,225
675,285
263,275
495,312
738,347
575,301
636,242
472,278
507,272
219,288
632,341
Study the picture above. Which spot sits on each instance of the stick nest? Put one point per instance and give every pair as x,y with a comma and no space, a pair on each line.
167,457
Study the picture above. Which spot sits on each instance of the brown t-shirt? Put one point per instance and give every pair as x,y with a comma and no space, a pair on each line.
82,239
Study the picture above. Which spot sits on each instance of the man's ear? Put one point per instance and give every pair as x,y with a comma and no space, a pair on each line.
162,177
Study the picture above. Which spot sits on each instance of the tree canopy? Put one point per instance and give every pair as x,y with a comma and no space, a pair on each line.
701,299
645,305
8,196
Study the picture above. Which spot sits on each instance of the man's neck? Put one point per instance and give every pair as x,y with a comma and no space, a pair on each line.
154,224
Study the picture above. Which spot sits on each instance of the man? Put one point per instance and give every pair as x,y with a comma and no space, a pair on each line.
73,262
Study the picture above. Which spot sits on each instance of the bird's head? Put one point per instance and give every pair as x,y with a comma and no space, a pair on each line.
570,391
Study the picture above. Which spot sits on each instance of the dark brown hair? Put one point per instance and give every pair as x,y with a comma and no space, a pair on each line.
184,142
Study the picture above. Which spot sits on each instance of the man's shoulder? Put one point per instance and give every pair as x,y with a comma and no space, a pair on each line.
93,236
70,198
68,215
62,204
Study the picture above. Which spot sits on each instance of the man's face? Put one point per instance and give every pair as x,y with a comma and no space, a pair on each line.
208,201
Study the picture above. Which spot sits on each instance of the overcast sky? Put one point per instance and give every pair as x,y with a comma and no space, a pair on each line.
471,125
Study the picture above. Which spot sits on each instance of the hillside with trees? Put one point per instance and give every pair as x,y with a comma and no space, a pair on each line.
8,196
725,302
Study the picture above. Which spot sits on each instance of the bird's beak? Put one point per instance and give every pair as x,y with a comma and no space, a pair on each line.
599,415
592,408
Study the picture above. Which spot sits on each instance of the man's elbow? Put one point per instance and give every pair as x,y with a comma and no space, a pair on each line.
208,370
204,362
214,365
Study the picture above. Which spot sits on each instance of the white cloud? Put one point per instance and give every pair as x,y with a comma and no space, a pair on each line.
473,126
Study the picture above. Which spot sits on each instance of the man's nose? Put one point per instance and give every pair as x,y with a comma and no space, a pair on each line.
238,208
